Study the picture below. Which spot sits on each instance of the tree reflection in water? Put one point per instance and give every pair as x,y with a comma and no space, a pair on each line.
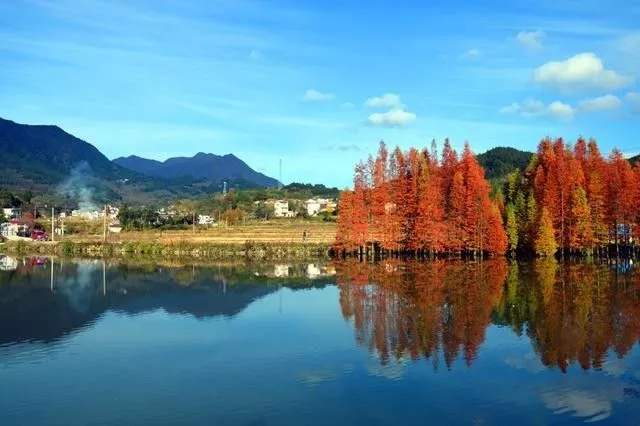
572,313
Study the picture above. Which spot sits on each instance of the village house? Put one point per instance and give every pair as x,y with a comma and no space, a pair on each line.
281,209
319,205
85,214
205,219
111,212
14,230
11,213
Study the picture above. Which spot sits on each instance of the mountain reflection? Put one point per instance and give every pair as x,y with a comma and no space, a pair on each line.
46,299
572,313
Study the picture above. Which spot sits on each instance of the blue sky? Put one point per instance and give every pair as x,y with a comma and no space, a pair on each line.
319,83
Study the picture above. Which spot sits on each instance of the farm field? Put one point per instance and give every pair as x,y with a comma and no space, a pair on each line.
275,231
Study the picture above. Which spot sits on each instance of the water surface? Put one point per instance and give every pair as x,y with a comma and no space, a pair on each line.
93,342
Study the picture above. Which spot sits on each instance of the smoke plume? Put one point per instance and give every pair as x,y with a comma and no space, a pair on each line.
76,187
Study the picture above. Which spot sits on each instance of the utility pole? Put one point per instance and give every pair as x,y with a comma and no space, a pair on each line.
280,175
104,225
53,225
193,221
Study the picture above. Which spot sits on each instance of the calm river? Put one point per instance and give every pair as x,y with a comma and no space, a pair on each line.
497,343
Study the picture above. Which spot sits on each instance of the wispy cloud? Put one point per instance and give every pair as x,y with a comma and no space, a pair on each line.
535,108
601,103
392,118
470,54
530,40
634,99
344,148
387,100
312,95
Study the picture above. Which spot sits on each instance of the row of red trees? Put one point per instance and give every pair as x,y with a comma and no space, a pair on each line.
569,199
416,202
572,200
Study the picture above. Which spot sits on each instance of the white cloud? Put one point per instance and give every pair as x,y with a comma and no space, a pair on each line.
560,111
347,105
471,54
530,40
255,55
602,103
315,96
385,101
581,72
634,99
535,108
392,118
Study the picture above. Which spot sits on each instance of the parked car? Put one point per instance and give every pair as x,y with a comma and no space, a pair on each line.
39,236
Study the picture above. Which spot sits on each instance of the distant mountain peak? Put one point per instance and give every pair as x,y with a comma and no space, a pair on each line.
202,165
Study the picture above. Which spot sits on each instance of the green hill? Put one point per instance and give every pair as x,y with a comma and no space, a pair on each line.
499,162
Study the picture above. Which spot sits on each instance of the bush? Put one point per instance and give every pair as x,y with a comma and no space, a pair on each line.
67,248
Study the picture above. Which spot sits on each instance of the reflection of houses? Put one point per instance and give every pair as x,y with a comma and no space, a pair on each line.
313,270
8,264
281,271
11,213
319,205
281,209
14,229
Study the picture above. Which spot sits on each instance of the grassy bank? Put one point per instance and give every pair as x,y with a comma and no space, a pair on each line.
177,249
277,239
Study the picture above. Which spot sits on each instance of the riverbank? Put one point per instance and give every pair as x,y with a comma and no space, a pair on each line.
276,240
177,249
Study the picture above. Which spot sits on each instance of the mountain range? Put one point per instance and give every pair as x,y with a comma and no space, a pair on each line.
46,159
200,166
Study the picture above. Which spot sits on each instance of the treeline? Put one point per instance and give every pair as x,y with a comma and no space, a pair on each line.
420,203
141,218
572,201
183,216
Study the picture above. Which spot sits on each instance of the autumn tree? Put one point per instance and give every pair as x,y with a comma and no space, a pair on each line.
545,240
581,237
512,227
345,237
